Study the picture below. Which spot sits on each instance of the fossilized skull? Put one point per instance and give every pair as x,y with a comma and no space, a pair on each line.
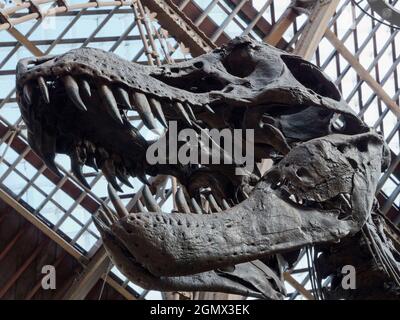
320,188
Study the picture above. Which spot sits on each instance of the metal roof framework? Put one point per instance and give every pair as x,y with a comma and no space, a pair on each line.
354,50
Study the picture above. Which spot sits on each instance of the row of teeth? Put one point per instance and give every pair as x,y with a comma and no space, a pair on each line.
86,153
148,203
285,187
149,108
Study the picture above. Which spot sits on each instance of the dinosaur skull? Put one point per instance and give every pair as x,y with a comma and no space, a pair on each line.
326,162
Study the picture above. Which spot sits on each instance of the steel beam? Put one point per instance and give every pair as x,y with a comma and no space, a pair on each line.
24,40
41,226
171,18
98,265
362,72
314,30
295,284
117,287
280,27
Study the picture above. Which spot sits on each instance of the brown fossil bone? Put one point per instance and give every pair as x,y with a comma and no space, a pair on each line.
268,221
232,229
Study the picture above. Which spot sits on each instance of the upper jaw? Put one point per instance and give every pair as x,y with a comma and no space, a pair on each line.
86,90
157,83
104,67
152,89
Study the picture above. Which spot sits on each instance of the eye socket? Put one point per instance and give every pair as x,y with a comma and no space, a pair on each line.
196,82
199,64
311,77
362,145
352,162
239,62
339,123
301,172
341,148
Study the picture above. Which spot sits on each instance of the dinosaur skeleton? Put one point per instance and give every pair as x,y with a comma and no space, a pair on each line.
231,233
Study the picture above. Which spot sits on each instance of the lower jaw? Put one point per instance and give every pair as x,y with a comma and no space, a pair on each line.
257,285
261,225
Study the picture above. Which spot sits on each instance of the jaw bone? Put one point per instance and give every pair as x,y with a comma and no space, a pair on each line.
253,278
261,225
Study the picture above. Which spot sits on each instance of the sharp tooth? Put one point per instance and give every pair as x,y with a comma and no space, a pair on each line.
85,86
113,181
109,172
150,202
91,161
109,213
27,92
346,199
207,106
118,205
95,165
205,204
143,179
347,196
91,155
190,111
213,203
181,201
101,156
122,97
103,217
43,89
181,111
143,108
45,144
90,147
72,90
138,206
157,110
100,224
82,154
225,204
76,168
124,179
196,207
111,103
